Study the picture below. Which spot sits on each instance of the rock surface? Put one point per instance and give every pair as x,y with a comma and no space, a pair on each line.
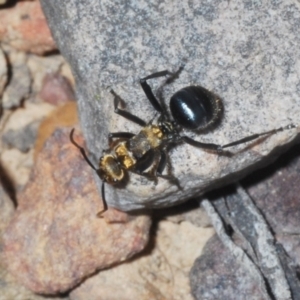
246,53
160,272
6,208
9,288
18,87
3,71
63,116
24,27
40,67
56,89
275,192
17,165
217,275
22,139
55,239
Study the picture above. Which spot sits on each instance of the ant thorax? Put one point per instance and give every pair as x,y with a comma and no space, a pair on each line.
150,137
124,155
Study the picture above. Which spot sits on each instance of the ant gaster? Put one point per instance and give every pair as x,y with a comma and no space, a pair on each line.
192,107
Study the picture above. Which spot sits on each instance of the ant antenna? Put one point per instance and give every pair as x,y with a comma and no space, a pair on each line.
99,214
82,151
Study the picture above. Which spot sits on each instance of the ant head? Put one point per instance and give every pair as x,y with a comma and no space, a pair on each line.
110,170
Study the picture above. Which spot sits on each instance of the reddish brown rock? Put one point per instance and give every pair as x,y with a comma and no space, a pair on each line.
9,289
24,27
160,272
56,89
55,240
63,116
40,66
12,290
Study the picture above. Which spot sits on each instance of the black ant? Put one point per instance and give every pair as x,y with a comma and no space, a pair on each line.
192,107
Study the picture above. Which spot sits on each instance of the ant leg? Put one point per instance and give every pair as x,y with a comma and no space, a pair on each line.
127,115
150,160
157,75
120,135
219,148
207,146
148,91
162,163
257,135
161,166
157,159
99,214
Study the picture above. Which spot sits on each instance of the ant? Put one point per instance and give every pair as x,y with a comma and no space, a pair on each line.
192,107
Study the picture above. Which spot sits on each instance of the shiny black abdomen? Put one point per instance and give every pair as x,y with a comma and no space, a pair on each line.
194,107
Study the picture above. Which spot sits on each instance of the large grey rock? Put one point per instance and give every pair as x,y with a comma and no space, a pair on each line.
246,52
